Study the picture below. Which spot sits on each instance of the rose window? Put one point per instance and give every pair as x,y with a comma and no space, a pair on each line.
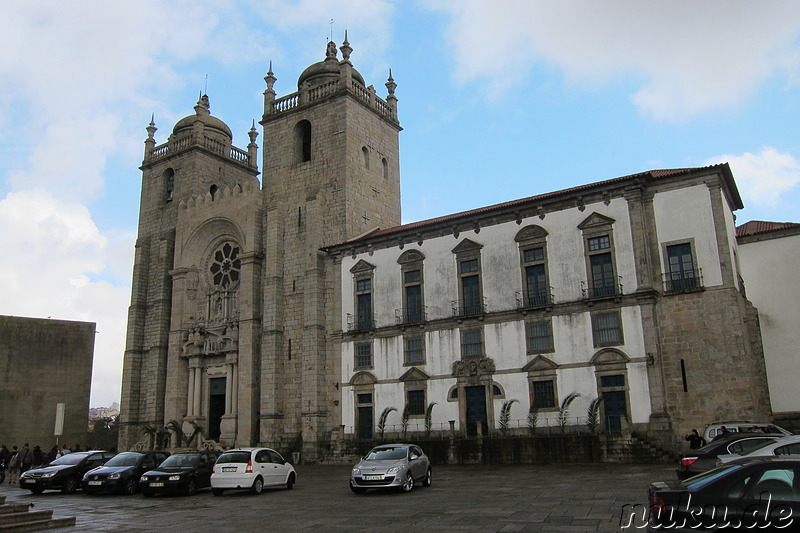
225,265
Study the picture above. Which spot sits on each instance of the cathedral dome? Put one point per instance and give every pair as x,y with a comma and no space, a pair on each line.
211,125
325,71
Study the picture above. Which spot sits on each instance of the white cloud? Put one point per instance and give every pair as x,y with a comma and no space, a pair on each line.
691,56
764,178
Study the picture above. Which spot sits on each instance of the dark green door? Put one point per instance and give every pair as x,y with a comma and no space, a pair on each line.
476,410
216,407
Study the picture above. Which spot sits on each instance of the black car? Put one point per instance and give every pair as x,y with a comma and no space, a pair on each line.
698,461
122,472
183,472
758,494
64,473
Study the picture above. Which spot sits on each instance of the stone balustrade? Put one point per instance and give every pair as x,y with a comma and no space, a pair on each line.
309,95
212,145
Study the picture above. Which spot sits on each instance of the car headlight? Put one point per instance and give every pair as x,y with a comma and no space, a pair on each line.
394,470
49,474
143,478
356,471
175,478
115,475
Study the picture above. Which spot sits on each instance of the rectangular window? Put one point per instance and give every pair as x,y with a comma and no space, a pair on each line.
472,343
471,291
471,265
412,282
364,399
615,380
682,273
416,402
544,396
533,254
603,282
364,304
607,329
414,351
539,337
602,242
535,285
363,355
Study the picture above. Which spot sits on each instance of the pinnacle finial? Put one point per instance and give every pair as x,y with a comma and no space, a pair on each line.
151,128
346,48
390,84
270,77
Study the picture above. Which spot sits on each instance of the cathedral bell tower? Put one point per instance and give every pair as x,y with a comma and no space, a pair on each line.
197,165
330,173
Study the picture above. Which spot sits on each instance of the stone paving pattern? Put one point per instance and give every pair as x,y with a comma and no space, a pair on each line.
545,499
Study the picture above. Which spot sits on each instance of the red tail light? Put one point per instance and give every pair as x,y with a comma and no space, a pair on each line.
686,461
657,505
249,468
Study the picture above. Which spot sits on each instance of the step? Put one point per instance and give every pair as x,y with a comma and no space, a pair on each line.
38,525
9,508
16,518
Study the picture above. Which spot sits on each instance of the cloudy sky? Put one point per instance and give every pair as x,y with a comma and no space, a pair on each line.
499,100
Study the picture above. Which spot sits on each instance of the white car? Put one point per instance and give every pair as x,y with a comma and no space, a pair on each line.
789,445
714,430
251,469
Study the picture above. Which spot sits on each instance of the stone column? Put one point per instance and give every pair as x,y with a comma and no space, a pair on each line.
190,396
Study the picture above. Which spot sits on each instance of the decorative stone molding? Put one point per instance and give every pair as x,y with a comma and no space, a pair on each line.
473,367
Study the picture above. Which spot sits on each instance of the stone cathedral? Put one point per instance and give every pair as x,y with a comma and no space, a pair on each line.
231,299
295,311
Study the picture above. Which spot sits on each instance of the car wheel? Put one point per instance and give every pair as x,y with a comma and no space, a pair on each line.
290,482
191,487
428,479
258,484
409,483
37,491
130,486
217,492
70,485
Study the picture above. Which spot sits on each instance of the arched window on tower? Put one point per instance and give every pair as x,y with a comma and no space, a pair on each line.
213,191
302,136
365,152
385,169
168,179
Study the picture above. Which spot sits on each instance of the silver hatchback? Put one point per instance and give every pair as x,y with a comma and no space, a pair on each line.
391,466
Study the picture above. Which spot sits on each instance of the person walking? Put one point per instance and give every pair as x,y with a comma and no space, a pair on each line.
52,455
25,458
13,466
38,457
64,451
4,455
695,440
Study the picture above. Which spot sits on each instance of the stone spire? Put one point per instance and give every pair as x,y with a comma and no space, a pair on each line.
150,142
346,49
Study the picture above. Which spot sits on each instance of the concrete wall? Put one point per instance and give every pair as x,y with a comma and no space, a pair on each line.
44,363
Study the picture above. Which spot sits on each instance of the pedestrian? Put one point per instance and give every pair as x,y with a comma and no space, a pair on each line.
64,451
4,455
25,458
52,455
721,432
38,457
13,466
695,440
77,448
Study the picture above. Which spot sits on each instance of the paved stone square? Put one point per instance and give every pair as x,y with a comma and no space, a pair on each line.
545,499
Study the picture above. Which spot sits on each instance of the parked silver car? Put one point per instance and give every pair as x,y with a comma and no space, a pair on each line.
391,466
789,445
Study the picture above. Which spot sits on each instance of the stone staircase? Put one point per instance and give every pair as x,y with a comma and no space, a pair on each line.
649,450
18,517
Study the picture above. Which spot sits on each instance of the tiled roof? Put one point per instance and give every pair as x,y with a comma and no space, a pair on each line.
757,227
650,175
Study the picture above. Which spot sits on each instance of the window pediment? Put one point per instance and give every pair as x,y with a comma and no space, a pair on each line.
411,256
363,378
362,266
467,246
596,220
414,374
531,233
608,357
539,364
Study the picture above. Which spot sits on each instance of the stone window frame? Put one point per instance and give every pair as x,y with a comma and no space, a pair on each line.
542,369
665,246
365,155
595,226
530,238
611,362
548,323
409,337
361,272
363,383
363,345
168,182
468,250
595,318
410,261
415,380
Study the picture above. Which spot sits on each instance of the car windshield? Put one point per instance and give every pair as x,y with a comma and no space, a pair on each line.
180,460
234,457
124,459
705,478
69,459
383,454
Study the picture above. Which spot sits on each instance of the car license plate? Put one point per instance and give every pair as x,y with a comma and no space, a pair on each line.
95,483
157,484
373,478
29,481
229,469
